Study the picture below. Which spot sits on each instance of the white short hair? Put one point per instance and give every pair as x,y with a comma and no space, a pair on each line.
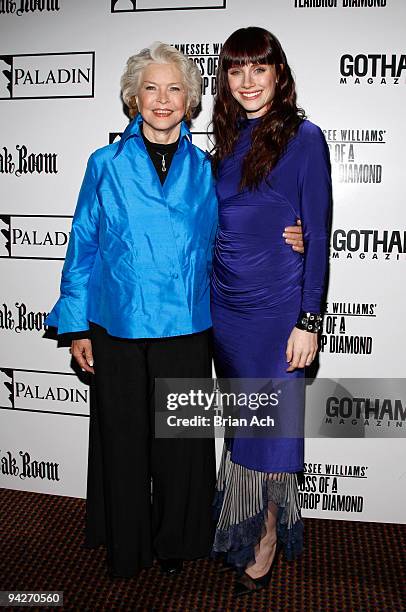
160,53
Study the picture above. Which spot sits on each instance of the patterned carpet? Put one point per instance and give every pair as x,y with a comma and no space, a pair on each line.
346,567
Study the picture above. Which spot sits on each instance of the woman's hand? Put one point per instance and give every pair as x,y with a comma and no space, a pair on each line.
301,349
82,352
294,236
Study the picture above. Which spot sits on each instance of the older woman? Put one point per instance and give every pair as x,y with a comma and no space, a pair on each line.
137,270
135,301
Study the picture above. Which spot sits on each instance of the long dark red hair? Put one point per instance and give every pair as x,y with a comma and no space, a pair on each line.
269,139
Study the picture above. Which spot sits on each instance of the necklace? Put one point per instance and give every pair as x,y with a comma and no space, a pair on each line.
163,155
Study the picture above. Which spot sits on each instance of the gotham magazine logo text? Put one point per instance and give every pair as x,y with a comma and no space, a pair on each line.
372,68
47,75
34,237
368,244
134,6
360,407
22,7
378,411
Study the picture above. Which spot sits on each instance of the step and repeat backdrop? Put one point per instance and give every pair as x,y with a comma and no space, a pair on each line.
60,66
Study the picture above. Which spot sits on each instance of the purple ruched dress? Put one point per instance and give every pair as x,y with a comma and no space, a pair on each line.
259,286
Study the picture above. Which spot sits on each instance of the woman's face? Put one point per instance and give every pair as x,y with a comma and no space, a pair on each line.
162,97
253,86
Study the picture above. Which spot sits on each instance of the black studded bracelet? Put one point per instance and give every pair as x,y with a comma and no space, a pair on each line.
309,321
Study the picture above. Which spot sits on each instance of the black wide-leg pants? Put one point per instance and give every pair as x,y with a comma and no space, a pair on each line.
124,456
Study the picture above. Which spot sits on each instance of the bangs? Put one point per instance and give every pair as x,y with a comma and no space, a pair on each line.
244,47
244,58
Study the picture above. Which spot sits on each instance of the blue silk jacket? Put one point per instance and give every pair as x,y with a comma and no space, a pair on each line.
139,256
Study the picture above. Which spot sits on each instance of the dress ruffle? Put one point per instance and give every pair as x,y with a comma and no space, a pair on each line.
241,507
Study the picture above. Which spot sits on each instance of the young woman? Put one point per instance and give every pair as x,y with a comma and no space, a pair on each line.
272,167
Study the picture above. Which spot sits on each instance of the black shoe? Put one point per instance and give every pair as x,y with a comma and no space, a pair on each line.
171,567
245,584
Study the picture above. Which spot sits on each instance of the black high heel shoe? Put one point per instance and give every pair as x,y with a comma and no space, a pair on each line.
244,584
